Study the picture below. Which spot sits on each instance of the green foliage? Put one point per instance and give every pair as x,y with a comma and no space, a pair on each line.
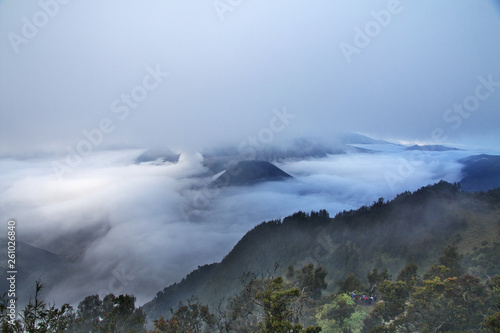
453,304
341,315
374,321
162,325
409,276
277,301
120,315
312,329
39,316
394,295
112,314
451,259
375,278
262,305
309,280
192,317
448,265
493,321
484,260
243,312
439,304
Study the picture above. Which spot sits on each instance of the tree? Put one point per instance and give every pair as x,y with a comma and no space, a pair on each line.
351,283
90,307
222,319
281,308
493,321
88,314
9,324
276,302
243,311
340,315
192,317
386,315
448,265
40,317
453,304
394,295
442,302
120,315
162,325
375,278
409,275
309,280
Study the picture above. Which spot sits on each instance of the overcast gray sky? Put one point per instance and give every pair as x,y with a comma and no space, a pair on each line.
64,65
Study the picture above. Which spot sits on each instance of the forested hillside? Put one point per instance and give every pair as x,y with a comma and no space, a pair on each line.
413,227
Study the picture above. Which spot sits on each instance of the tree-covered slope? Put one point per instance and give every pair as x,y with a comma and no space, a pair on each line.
413,226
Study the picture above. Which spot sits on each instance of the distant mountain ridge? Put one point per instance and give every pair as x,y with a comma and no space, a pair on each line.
431,148
31,263
221,158
356,139
480,173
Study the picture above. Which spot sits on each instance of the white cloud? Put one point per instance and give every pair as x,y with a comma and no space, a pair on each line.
146,240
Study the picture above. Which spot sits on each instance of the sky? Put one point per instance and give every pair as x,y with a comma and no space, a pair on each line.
86,87
229,67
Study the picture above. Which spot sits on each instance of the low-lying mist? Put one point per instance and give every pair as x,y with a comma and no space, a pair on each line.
136,228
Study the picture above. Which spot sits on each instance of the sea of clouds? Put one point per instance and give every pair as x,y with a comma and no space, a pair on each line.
136,228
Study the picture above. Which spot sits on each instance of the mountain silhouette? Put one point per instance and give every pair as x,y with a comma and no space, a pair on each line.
246,173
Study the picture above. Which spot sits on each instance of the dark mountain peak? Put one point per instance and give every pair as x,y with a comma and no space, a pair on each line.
245,173
431,148
161,155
